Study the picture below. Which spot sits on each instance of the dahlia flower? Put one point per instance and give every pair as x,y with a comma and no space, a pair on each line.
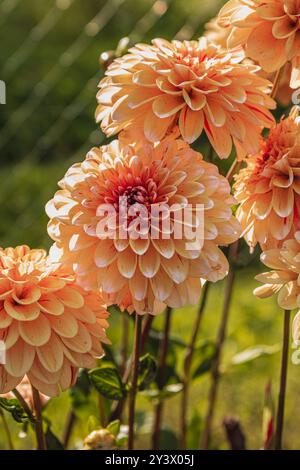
151,266
268,189
284,278
49,325
193,84
268,29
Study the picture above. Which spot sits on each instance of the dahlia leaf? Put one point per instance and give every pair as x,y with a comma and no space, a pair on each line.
107,381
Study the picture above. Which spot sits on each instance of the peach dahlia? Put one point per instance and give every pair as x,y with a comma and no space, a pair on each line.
49,325
268,189
193,84
152,267
268,29
284,278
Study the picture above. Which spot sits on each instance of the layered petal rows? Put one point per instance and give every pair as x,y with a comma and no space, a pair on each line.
49,325
268,189
284,278
193,84
157,268
269,30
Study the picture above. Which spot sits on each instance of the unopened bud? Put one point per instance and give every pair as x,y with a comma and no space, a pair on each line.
100,439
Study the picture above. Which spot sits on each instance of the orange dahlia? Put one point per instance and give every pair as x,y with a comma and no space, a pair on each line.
268,189
284,277
154,265
193,84
49,325
269,30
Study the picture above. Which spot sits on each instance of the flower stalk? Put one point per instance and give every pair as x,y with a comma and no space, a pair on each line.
158,413
40,437
215,372
135,369
188,364
283,380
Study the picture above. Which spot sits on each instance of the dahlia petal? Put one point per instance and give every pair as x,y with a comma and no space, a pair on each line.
81,342
161,285
112,281
21,312
155,127
287,297
11,335
140,245
65,326
216,113
127,262
165,247
263,206
176,267
19,358
5,288
51,354
237,37
266,290
5,319
70,297
295,76
283,201
149,263
219,138
7,381
138,286
271,58
49,303
27,296
36,332
105,253
270,11
190,124
167,105
196,100
283,28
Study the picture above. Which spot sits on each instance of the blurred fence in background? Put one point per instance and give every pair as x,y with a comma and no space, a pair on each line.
49,54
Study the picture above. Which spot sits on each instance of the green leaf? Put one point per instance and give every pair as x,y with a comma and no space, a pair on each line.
147,371
114,309
114,427
250,354
81,390
52,442
107,381
14,408
168,392
203,359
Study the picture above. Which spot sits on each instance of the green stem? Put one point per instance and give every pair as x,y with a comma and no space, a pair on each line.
40,437
161,379
283,380
187,367
135,370
215,372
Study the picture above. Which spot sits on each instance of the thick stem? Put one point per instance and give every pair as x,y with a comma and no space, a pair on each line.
24,404
135,370
283,378
187,367
71,419
7,431
118,410
215,372
160,379
40,437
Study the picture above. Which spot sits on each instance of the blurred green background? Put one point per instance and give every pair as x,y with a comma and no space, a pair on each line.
49,53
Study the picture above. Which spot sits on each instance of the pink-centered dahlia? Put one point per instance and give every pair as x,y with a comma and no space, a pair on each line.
268,29
193,84
268,189
49,325
154,265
